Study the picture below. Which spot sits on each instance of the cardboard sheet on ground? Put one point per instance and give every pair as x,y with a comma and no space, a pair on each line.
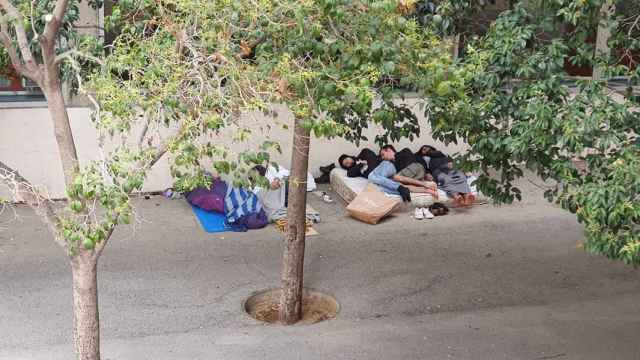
310,231
281,224
371,205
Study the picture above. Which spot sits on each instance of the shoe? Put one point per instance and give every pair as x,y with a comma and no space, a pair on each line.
405,194
418,214
323,179
327,169
427,214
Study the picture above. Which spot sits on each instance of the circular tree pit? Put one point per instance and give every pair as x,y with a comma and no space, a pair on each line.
316,306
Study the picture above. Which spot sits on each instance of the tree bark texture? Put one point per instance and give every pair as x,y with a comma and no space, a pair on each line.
61,127
293,256
602,38
86,322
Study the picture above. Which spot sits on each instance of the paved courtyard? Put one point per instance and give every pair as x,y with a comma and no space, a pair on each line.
489,283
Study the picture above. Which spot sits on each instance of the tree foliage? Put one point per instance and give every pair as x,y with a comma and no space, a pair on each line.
195,66
516,109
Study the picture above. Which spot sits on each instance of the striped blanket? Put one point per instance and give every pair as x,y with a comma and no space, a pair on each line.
240,203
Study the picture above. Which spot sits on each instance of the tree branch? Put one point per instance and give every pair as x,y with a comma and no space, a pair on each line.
53,26
102,244
160,153
143,134
41,205
32,71
16,62
73,52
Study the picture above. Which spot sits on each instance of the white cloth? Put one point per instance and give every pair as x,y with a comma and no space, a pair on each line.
274,199
281,173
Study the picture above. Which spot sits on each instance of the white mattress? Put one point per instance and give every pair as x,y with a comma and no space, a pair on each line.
348,188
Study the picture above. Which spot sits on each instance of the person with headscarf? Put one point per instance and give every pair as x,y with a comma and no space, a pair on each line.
453,182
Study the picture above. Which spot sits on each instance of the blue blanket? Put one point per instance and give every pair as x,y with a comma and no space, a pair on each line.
212,222
242,211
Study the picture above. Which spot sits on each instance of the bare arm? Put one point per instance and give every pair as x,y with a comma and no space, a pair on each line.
409,181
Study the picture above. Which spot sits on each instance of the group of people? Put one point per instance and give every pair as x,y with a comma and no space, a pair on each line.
403,172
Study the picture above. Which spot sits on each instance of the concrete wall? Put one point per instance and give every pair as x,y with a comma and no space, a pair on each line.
28,144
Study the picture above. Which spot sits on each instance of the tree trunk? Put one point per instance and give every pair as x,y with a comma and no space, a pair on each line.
602,38
61,127
86,322
293,256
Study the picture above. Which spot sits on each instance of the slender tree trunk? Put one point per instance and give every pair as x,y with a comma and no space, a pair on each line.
602,37
86,322
61,126
293,257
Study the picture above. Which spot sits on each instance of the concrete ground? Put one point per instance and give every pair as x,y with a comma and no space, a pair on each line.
489,283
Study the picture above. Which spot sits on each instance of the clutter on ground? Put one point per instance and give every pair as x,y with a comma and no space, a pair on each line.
373,185
222,207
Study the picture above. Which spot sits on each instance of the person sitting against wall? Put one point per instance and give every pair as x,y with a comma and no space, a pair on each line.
275,197
453,182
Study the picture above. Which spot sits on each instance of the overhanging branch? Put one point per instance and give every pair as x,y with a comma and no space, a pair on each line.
9,47
27,192
30,65
53,26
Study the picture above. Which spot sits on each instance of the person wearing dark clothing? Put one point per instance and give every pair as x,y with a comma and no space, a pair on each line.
433,160
404,158
389,180
408,165
361,165
453,182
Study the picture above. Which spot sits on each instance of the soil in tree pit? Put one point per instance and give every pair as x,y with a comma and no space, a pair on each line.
316,306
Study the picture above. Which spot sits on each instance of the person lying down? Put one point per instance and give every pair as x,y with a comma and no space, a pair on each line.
398,174
453,182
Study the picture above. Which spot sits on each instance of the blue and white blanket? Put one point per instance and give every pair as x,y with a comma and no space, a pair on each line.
240,202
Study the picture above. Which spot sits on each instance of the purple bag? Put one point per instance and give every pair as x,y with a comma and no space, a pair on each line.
211,199
255,220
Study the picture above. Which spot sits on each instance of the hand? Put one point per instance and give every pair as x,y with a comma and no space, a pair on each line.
433,193
430,185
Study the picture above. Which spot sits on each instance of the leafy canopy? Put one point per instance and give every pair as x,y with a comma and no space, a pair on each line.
516,109
181,73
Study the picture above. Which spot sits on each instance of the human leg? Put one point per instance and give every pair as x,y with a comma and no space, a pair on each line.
381,176
414,171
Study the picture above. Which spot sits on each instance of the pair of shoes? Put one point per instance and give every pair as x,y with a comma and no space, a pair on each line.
327,169
422,213
405,194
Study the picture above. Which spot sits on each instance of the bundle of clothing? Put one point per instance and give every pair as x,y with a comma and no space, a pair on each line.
243,209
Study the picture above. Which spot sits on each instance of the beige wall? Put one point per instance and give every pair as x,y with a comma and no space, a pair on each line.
27,143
